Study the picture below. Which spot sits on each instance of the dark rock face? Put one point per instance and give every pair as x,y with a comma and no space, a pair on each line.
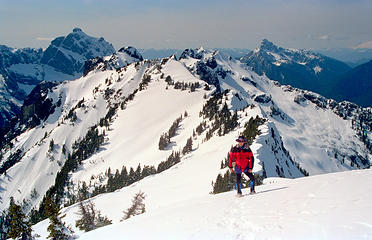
10,56
207,74
36,107
191,53
263,98
123,57
91,64
355,85
36,104
69,53
131,51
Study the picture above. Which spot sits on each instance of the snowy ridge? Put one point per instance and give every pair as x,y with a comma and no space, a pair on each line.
325,206
297,134
325,132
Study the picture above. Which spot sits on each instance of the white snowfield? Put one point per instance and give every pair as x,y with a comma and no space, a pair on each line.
178,203
328,206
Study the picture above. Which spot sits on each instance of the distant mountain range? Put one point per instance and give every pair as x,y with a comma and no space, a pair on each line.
298,68
356,85
312,71
352,56
67,57
152,53
22,69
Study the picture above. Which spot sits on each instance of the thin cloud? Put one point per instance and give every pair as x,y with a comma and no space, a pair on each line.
44,39
324,37
364,45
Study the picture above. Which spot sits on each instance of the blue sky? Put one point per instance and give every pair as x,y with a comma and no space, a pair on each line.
311,24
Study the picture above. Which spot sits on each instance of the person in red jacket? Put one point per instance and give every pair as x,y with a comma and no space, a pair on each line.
241,160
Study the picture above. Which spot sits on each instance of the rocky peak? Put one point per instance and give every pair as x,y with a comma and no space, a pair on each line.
266,45
10,56
131,51
190,53
68,53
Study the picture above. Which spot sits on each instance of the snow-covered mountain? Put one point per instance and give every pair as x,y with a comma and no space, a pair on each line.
11,93
69,53
22,69
115,115
329,206
299,68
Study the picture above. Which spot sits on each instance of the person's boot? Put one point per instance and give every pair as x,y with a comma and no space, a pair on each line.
239,188
252,188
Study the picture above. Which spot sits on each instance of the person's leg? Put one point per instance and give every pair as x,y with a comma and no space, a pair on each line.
239,182
238,179
251,178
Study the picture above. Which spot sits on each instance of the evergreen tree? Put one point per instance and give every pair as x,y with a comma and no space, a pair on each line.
83,191
188,146
138,173
131,176
4,225
57,229
169,80
164,141
138,206
87,213
148,170
251,129
51,145
19,225
64,149
90,217
124,178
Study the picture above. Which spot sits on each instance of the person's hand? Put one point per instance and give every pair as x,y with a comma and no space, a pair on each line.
231,170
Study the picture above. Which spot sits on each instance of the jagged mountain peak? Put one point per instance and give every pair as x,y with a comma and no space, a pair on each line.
68,53
121,58
131,51
200,49
297,67
198,53
77,30
267,45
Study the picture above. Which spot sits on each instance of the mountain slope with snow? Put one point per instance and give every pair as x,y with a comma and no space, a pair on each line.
131,106
329,206
310,134
326,143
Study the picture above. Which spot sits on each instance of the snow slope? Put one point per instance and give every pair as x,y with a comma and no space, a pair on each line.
329,206
315,137
294,134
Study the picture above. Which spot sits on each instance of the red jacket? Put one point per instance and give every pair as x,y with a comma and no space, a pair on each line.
243,157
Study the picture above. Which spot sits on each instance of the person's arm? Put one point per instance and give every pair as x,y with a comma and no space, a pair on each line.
251,161
231,158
